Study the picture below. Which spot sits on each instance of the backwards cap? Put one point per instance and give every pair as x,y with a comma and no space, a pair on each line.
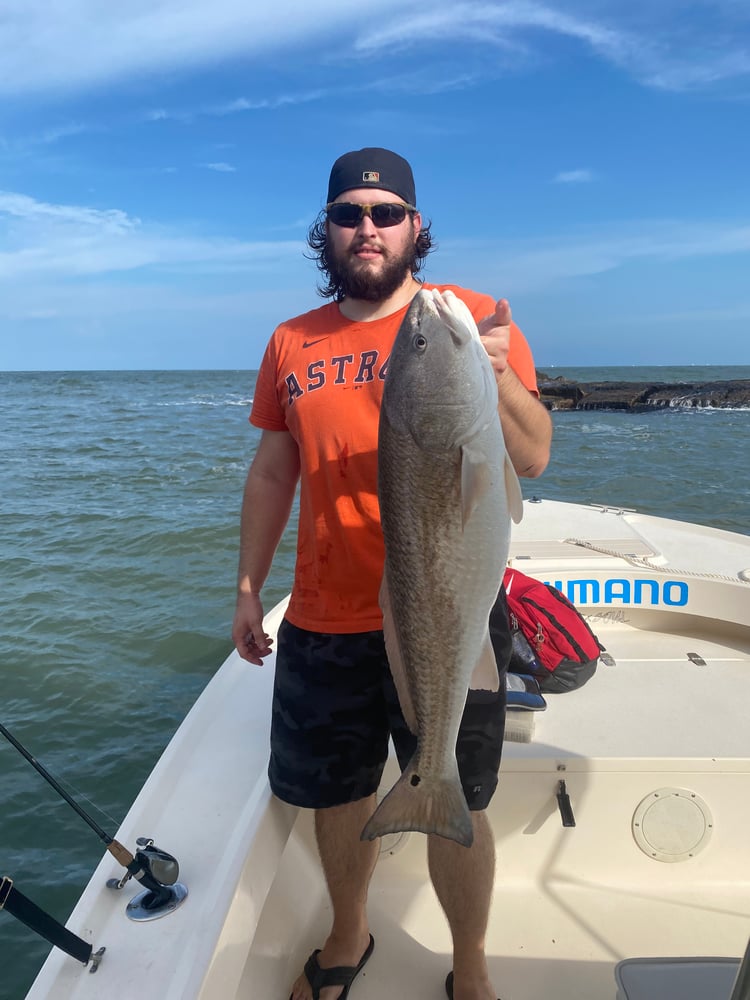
372,168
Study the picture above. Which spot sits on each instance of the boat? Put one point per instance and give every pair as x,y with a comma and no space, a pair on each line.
639,889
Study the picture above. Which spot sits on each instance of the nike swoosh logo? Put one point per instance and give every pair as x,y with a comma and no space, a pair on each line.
312,343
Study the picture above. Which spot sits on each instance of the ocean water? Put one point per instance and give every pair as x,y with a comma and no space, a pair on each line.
119,514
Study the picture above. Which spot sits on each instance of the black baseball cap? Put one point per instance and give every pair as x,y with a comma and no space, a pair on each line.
372,168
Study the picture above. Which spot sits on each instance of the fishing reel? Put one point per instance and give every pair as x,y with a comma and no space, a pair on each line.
158,872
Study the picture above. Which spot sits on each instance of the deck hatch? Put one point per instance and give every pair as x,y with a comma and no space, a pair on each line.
672,824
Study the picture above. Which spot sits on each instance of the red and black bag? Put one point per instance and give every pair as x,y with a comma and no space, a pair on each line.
550,638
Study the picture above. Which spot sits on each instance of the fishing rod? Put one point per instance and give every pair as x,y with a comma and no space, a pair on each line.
22,908
155,869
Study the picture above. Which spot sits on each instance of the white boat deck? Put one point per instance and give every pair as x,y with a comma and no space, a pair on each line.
569,903
655,746
646,686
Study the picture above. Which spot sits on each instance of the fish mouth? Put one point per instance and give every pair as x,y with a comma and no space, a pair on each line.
460,334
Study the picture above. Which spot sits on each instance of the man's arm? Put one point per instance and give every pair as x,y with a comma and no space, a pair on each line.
527,426
266,505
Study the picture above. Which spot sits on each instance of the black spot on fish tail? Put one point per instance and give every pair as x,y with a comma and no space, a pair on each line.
425,805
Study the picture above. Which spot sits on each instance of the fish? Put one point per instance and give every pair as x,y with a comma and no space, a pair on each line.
447,492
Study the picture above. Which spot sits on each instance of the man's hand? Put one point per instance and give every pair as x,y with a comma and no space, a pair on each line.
495,334
247,629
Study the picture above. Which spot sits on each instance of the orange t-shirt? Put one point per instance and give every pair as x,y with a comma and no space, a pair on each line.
321,379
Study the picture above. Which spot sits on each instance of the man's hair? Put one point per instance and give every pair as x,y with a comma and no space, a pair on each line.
332,286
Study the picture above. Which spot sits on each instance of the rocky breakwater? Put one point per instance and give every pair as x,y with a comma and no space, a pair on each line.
636,397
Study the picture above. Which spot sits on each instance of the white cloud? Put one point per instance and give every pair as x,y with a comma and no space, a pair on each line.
544,262
39,240
498,24
21,206
574,177
221,168
75,241
72,44
239,105
266,103
50,45
425,80
661,47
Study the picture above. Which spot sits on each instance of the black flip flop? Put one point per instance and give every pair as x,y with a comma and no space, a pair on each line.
337,975
449,986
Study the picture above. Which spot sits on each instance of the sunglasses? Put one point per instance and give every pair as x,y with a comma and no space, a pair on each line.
384,214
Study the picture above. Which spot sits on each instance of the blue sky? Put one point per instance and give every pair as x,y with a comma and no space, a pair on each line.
161,160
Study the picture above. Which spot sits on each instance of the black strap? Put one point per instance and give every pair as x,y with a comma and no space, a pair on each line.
20,907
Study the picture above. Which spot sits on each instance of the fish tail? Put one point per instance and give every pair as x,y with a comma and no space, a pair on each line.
428,805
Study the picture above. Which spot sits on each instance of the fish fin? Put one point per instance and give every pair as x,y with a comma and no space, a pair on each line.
428,805
513,490
475,480
395,659
485,676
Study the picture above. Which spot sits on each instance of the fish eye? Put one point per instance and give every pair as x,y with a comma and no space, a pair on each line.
420,342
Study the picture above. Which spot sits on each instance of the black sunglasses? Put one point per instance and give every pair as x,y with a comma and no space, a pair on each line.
383,214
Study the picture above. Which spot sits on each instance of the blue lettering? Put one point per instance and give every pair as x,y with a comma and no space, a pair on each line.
638,587
682,593
315,372
617,590
672,593
366,364
341,363
294,387
582,591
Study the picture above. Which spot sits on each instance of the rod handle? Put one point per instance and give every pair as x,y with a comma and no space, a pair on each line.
120,853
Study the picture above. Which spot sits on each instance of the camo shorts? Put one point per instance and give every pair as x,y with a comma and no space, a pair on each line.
335,706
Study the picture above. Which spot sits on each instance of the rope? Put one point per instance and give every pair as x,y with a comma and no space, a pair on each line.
641,562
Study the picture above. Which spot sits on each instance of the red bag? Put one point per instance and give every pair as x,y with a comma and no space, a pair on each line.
544,623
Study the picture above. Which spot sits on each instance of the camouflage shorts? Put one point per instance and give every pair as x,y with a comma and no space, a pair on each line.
334,708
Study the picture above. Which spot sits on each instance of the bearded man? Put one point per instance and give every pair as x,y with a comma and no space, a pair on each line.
317,401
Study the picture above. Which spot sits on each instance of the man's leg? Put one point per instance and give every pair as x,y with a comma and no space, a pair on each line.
329,743
463,880
464,877
348,864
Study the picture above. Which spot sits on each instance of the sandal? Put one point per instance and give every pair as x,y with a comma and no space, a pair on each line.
449,986
337,975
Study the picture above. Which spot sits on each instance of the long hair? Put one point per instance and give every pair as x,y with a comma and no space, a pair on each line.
332,286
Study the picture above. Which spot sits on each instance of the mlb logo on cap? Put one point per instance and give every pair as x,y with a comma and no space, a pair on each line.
355,170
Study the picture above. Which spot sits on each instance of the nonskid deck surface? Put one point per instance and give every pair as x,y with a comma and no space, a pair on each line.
657,700
552,936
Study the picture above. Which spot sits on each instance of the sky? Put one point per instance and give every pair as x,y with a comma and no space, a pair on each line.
162,160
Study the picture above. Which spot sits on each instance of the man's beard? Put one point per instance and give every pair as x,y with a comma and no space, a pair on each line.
360,282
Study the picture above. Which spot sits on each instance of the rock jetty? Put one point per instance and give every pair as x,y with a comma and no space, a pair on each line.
637,397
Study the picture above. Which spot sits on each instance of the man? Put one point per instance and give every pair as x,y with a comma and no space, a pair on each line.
317,402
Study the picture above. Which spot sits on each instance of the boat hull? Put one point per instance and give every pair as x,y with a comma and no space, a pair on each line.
655,759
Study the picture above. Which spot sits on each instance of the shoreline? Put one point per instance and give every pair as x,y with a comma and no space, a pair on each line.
562,393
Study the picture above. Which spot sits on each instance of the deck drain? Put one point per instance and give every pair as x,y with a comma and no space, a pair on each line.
392,843
672,824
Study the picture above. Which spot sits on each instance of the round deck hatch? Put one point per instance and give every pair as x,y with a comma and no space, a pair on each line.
672,824
392,843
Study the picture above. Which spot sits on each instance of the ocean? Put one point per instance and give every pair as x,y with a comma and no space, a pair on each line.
119,512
